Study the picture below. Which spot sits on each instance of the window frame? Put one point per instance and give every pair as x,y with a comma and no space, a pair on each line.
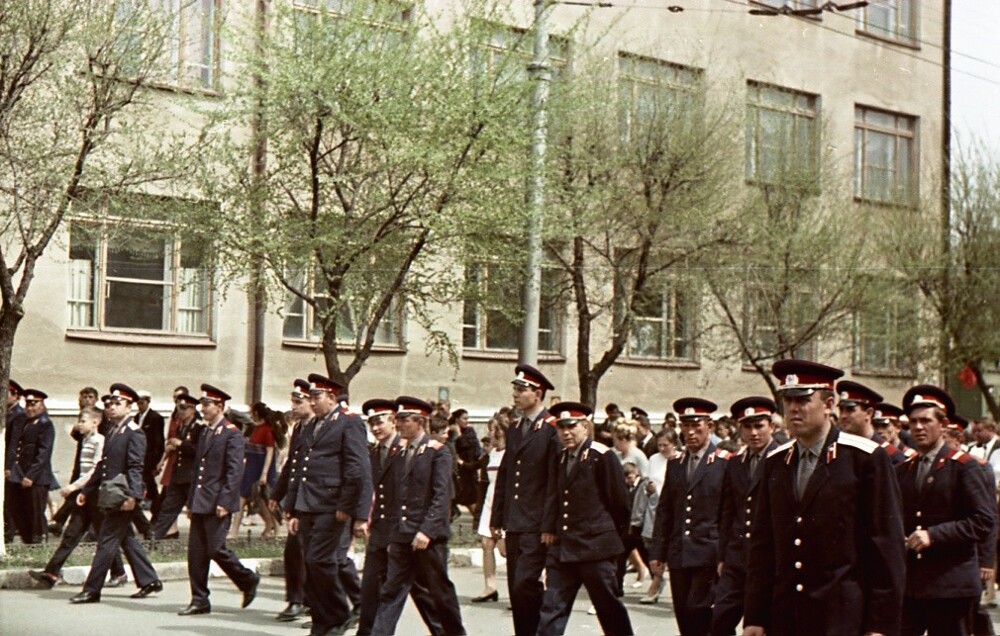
863,23
553,327
670,294
677,82
862,129
101,282
895,364
757,324
754,131
308,334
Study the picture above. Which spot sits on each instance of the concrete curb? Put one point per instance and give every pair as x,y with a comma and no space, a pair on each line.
177,570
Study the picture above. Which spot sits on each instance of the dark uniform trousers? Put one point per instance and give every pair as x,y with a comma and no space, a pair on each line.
693,591
174,496
207,542
373,581
727,612
295,570
600,580
81,519
591,501
116,530
519,505
428,569
936,616
320,534
347,570
28,511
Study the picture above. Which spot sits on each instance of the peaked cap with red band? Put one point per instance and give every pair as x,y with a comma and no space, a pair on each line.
377,407
753,407
853,393
406,405
187,399
527,375
690,407
928,395
300,388
319,382
34,394
802,377
14,387
570,412
119,390
209,392
886,411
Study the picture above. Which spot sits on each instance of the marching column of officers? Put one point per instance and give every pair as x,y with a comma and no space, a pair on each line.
836,532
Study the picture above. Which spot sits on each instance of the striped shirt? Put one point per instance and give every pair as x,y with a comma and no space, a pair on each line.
90,453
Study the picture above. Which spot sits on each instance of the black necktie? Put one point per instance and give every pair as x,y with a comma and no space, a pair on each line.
923,470
408,457
807,463
570,461
383,453
754,461
692,466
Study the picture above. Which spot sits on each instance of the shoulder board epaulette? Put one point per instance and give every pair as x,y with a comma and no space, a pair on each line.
867,445
782,448
133,425
550,420
598,447
436,445
232,426
889,448
910,453
961,457
722,453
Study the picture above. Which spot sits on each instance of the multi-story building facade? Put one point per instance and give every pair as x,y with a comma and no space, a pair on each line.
866,84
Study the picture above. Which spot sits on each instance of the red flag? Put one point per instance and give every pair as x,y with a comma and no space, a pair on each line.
967,377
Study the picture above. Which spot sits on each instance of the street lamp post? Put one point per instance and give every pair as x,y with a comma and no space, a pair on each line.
541,74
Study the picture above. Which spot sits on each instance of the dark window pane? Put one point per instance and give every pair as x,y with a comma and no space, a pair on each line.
140,255
135,306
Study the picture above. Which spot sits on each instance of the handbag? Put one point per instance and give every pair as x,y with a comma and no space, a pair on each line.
113,493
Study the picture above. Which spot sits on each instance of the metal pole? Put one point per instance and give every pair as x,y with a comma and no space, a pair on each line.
541,75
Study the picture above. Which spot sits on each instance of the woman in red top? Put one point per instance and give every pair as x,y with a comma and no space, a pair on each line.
259,472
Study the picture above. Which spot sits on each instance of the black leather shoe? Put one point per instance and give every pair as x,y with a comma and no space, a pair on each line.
85,597
250,593
149,588
194,610
290,613
117,581
354,619
43,577
493,596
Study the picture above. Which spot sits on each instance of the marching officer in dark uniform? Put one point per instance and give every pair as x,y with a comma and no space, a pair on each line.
857,414
294,559
386,461
590,510
418,548
826,552
329,485
948,510
15,424
124,453
686,527
32,468
739,490
214,497
183,449
526,473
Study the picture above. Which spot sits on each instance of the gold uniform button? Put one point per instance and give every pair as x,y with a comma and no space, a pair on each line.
747,535
688,509
565,527
687,533
799,588
798,542
798,519
798,565
920,514
748,523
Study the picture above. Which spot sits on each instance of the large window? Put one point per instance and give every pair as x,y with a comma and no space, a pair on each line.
390,19
652,90
782,136
890,19
776,324
886,338
663,326
508,52
137,278
885,156
304,322
488,319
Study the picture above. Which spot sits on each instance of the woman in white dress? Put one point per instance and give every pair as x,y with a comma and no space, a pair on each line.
498,431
